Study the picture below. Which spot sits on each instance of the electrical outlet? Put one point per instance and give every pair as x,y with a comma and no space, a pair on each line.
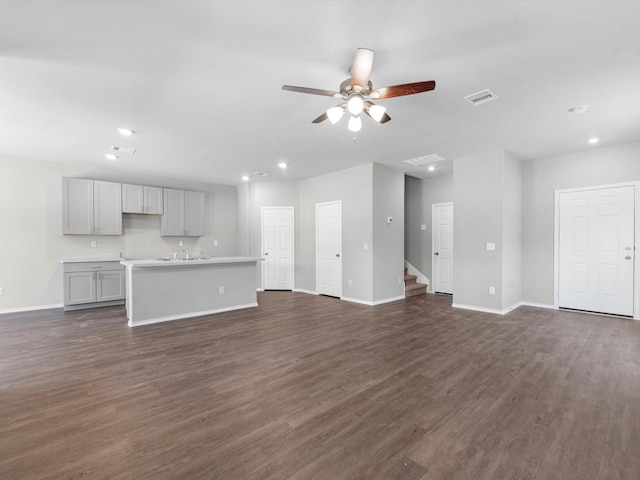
215,243
181,243
94,244
366,246
350,283
221,290
423,227
1,291
492,290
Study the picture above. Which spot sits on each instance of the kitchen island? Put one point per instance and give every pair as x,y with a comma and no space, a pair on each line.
162,290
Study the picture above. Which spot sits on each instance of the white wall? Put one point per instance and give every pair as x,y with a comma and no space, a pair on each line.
541,177
31,240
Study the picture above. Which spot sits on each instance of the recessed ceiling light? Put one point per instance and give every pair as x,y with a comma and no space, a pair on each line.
431,168
594,140
282,165
125,132
245,178
579,109
110,156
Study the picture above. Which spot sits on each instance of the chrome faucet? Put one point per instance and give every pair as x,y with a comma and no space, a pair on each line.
175,256
186,254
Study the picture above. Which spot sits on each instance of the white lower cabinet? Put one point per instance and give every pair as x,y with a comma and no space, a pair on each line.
93,284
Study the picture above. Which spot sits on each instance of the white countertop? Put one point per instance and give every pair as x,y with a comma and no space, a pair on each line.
168,262
96,257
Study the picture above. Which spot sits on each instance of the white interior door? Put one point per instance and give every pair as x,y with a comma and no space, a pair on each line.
329,249
277,247
596,250
442,243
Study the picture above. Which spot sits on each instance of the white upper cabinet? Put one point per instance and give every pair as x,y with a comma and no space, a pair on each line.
91,207
141,199
183,213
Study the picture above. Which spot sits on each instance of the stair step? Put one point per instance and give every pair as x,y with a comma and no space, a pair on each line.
411,287
417,289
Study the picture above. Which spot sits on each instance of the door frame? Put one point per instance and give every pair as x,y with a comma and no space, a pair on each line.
293,244
556,240
433,242
324,204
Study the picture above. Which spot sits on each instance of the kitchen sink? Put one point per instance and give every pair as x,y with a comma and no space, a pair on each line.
190,259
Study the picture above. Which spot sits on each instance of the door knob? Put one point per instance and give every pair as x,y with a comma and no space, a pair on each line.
337,254
628,257
266,253
436,253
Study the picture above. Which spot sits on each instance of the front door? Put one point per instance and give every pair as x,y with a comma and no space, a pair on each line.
329,249
442,244
277,247
596,250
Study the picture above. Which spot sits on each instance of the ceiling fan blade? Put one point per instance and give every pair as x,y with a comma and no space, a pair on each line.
313,91
361,69
404,89
321,118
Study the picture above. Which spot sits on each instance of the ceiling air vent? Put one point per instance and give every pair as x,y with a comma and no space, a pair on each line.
478,98
433,158
259,174
116,148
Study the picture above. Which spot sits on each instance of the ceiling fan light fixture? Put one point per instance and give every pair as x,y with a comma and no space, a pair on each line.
355,123
335,114
376,112
355,105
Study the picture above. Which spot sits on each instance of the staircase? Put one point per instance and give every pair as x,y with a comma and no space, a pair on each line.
411,287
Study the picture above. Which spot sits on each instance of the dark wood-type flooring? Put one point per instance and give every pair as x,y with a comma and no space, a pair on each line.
307,387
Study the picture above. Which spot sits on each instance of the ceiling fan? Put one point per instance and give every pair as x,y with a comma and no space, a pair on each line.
357,93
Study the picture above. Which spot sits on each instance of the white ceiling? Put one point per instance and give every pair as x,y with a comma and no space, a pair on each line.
200,82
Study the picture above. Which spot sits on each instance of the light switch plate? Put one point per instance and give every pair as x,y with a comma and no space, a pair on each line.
491,246
423,227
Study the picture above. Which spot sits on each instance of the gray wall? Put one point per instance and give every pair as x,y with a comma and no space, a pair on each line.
388,238
511,232
31,243
268,194
541,177
420,195
478,200
354,188
369,194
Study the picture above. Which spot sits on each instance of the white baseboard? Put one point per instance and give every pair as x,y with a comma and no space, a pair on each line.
538,305
411,270
372,304
303,290
31,309
495,311
170,318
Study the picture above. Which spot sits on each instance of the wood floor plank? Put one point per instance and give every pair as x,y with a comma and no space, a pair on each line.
311,387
